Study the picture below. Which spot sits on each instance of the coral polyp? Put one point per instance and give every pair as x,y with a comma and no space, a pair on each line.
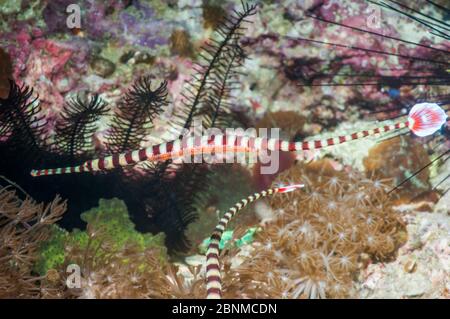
319,239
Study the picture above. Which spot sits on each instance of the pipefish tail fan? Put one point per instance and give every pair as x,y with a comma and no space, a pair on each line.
438,151
213,277
424,119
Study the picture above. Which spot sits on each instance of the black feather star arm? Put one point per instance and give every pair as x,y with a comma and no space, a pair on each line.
218,55
21,124
216,110
171,205
78,124
135,114
207,96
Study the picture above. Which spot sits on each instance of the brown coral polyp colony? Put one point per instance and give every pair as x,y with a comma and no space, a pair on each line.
24,224
319,238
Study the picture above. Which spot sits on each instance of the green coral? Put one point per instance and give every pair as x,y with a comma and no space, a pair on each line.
247,238
112,219
10,6
52,251
227,240
109,221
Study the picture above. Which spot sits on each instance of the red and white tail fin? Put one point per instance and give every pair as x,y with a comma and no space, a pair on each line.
289,188
426,118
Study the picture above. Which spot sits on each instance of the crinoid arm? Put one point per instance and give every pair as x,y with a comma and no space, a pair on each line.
134,116
77,125
21,120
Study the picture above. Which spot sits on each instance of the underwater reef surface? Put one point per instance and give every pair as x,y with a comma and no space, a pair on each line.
373,221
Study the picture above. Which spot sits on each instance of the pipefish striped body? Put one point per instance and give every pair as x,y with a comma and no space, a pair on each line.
213,277
424,119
